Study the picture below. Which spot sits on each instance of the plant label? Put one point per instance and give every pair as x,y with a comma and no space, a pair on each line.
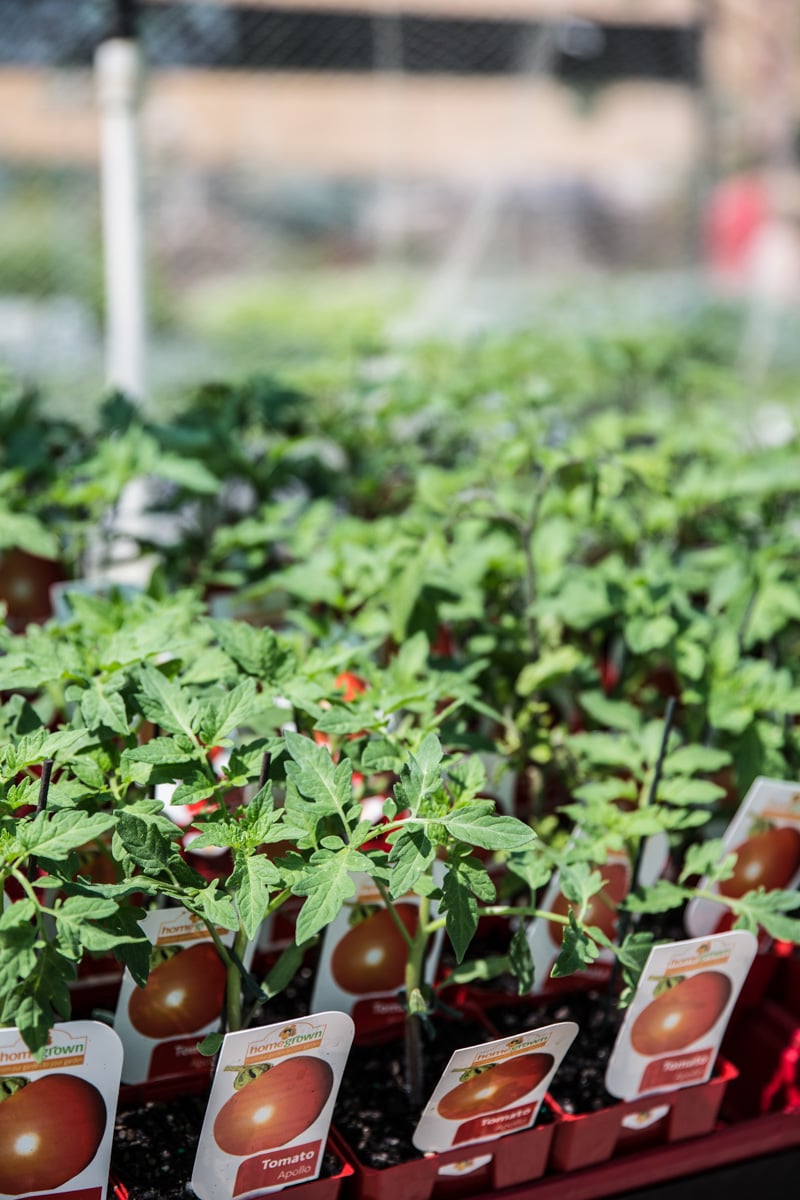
496,1088
57,1113
765,837
362,962
270,1106
161,1023
671,1032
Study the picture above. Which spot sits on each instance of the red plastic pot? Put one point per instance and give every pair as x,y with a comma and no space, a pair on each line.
515,1159
590,1138
329,1188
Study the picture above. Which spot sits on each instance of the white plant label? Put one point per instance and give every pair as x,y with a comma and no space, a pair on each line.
270,1106
362,961
765,836
671,1033
496,1088
161,1023
57,1114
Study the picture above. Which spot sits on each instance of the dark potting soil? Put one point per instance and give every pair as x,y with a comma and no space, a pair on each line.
373,1111
155,1145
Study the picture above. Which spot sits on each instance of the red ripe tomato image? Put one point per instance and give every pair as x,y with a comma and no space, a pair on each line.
50,1130
602,908
768,859
371,957
682,1014
275,1107
183,994
498,1086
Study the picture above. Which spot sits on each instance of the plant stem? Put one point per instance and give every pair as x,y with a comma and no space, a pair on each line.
233,986
413,1032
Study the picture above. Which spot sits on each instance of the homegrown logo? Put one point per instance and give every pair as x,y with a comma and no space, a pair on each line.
705,955
186,929
517,1045
17,1057
289,1039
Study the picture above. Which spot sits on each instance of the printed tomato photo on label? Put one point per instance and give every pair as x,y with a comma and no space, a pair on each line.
50,1130
371,956
273,1107
769,859
488,1089
184,993
681,1014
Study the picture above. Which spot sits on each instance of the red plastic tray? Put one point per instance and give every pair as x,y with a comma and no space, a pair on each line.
485,1166
749,1139
591,1138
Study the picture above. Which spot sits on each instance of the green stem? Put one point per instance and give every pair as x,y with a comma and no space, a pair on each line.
233,986
414,979
401,929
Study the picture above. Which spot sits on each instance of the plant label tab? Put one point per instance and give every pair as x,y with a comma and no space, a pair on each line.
270,1106
493,1089
672,1031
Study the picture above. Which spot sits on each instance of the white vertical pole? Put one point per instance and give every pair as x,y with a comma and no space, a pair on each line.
118,76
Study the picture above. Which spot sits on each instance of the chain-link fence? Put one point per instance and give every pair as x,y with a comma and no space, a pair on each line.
310,169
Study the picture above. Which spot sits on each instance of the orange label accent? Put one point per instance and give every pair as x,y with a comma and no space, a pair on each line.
700,965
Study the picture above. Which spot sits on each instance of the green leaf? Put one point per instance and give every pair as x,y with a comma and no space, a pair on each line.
211,1044
216,907
166,704
479,825
193,787
645,634
460,909
256,651
577,950
53,835
689,760
252,881
220,717
316,777
612,714
547,669
104,706
689,791
188,473
78,929
28,533
662,896
411,856
147,843
328,884
703,858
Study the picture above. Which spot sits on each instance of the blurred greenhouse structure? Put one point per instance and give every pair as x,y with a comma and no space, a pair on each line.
321,172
